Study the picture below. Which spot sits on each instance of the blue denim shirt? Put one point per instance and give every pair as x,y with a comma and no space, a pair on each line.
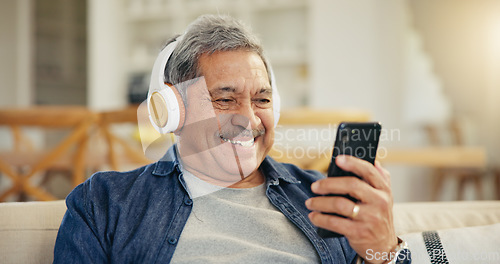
138,216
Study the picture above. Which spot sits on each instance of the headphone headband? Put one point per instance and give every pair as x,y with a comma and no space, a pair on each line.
157,75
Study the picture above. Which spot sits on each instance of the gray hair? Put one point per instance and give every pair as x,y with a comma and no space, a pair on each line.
208,34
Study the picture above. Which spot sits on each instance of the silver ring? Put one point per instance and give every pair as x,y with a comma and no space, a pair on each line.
355,211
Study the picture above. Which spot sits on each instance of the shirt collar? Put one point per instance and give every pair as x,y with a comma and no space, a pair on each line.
168,163
275,171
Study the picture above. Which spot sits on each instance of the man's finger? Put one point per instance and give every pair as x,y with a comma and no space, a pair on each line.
331,204
351,186
333,223
363,169
385,173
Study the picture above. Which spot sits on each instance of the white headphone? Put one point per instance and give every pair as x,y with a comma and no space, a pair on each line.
165,105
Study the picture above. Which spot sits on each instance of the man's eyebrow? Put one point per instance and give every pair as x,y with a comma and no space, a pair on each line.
228,89
266,90
225,89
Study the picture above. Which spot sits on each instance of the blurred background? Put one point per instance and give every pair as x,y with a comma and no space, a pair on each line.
428,70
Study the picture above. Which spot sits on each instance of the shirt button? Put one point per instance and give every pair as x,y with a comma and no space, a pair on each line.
172,241
188,202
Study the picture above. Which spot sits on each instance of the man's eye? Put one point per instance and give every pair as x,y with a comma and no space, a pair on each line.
223,103
263,102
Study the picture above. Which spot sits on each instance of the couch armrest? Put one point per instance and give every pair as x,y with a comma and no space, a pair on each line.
28,231
418,217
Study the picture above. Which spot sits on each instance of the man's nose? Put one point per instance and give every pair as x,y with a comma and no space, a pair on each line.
246,117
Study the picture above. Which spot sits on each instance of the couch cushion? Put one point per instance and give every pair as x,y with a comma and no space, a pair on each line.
28,231
418,217
478,244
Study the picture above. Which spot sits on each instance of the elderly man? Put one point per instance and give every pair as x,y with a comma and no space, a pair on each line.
216,196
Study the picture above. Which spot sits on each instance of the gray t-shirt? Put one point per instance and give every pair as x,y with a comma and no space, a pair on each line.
238,226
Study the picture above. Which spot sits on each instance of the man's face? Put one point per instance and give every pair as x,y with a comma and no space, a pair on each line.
229,126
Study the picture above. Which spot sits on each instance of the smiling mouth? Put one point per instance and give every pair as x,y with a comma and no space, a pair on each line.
244,143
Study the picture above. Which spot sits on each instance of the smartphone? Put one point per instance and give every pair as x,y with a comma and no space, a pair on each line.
355,139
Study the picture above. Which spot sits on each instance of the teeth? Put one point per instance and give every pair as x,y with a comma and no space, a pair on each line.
247,143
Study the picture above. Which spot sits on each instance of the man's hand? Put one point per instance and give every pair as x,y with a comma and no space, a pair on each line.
371,232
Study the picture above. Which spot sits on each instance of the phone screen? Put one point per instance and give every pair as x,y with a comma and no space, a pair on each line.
356,139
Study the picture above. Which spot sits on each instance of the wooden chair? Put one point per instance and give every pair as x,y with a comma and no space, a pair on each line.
462,173
496,177
465,163
23,162
131,151
308,118
108,150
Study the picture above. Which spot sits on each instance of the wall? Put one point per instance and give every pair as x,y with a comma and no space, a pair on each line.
463,38
16,53
360,58
106,63
60,40
357,58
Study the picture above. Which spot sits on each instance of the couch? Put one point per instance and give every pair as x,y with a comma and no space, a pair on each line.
28,229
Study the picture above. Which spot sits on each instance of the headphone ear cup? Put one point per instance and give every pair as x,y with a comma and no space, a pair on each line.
158,110
166,110
181,109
